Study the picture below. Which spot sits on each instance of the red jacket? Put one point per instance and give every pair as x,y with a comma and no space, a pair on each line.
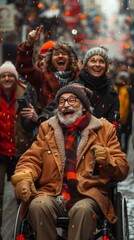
7,145
45,83
14,140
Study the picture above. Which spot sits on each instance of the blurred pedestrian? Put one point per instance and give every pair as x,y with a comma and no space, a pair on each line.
39,57
60,67
122,66
122,85
130,62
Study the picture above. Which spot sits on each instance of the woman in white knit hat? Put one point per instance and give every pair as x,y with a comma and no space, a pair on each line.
104,101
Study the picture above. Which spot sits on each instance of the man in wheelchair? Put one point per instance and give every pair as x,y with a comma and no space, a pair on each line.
74,159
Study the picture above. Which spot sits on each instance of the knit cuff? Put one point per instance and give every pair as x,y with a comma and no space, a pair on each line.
108,156
21,176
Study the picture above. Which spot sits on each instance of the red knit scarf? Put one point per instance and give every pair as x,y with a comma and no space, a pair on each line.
72,133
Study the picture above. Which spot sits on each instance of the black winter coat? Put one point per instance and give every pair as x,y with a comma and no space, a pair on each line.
31,97
105,102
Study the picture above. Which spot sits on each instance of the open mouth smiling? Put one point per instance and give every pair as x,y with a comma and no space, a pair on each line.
61,63
68,112
97,70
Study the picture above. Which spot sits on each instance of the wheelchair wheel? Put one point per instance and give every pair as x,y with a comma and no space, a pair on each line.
17,225
122,227
22,229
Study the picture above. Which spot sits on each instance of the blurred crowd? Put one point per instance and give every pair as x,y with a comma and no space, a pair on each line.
122,77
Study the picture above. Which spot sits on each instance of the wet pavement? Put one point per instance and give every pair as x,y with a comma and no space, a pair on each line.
127,189
9,212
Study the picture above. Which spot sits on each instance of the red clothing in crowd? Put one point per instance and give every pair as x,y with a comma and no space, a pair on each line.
7,145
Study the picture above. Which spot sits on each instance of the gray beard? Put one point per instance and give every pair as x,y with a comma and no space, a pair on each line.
78,113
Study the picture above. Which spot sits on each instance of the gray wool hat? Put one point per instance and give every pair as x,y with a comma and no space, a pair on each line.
84,94
96,51
123,75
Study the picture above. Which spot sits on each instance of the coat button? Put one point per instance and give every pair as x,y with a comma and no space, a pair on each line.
49,152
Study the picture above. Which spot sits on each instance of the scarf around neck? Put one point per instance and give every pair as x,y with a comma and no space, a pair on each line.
93,83
72,133
64,77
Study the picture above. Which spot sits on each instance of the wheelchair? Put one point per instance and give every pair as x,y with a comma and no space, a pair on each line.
104,231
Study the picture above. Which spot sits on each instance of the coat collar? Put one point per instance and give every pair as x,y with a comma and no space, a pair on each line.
85,141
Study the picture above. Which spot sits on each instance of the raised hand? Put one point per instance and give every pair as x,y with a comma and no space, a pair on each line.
101,154
34,36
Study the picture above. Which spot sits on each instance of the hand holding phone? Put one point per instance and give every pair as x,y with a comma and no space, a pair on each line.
22,103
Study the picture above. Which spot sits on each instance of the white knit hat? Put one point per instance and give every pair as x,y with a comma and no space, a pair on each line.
96,51
8,67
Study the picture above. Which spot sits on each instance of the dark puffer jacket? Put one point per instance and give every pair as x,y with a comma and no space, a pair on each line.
105,102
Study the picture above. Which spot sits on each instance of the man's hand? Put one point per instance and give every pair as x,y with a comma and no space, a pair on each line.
34,36
24,189
101,154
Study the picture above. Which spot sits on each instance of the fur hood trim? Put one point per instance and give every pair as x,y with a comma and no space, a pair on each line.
59,137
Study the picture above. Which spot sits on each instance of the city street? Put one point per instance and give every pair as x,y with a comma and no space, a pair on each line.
79,26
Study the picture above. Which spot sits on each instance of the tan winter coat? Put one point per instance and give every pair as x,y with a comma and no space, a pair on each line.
45,161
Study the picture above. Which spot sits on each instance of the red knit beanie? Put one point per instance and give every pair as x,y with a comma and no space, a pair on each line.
46,46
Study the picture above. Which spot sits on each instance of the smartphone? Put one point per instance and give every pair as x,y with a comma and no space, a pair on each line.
22,103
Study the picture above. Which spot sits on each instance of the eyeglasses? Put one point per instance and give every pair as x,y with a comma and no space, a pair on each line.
70,100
